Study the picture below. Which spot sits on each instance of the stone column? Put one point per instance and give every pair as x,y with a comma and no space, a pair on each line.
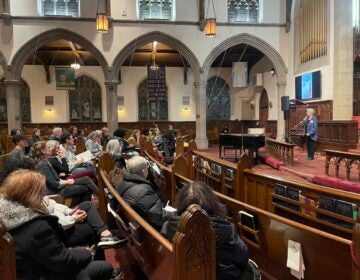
280,134
200,100
257,105
343,61
111,105
13,89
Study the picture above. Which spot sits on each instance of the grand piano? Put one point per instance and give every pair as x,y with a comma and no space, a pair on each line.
242,142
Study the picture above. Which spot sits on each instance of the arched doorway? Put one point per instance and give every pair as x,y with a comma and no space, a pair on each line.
264,108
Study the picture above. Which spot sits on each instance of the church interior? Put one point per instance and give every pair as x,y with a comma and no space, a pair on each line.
256,101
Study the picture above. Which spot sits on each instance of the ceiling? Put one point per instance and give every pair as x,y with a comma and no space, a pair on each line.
63,52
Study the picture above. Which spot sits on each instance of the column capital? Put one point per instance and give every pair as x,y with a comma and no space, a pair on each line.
111,85
200,84
13,83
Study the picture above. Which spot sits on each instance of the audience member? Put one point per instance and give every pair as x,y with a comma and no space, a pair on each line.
81,187
74,132
134,139
105,136
120,134
114,148
231,251
15,131
83,224
36,136
81,135
139,193
75,165
39,247
93,143
57,133
26,163
58,162
18,153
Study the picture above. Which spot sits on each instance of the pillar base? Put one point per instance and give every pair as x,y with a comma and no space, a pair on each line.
202,143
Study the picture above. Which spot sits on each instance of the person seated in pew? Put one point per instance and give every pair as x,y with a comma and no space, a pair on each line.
105,136
57,133
81,135
39,241
231,252
134,139
26,163
82,224
114,149
93,143
75,165
15,131
58,162
74,132
140,193
82,188
18,153
36,136
120,134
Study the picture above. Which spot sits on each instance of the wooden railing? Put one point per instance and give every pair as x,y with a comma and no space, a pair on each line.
280,150
159,258
349,160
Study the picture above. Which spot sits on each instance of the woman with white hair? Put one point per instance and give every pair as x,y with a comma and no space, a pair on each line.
139,193
93,143
310,132
114,148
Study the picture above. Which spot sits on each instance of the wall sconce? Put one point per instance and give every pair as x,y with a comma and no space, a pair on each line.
252,105
49,110
121,110
186,110
270,104
102,19
210,22
272,72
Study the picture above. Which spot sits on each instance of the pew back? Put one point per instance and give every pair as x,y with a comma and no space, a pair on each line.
161,259
7,255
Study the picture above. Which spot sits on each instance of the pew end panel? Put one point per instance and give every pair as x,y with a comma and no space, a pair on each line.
7,255
194,246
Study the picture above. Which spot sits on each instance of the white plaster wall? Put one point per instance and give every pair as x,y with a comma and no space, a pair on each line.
133,76
35,77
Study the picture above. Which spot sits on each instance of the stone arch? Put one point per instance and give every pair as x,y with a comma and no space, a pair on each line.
261,45
160,37
20,57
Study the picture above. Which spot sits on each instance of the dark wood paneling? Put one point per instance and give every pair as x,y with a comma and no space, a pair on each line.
271,129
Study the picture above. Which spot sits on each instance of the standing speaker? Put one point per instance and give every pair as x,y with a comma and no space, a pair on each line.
285,103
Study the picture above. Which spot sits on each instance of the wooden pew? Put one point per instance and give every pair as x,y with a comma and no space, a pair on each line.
80,146
349,159
280,150
224,176
258,189
326,256
7,255
160,259
2,161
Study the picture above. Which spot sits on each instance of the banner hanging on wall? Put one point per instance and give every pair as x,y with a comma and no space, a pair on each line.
65,77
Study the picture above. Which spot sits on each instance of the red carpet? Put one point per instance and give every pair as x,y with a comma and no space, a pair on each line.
302,170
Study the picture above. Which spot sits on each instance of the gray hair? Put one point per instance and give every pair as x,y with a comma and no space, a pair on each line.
136,165
311,110
96,133
57,129
114,147
51,144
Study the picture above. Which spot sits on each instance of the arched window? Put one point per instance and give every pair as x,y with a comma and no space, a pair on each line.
85,101
217,99
25,105
156,9
243,10
153,110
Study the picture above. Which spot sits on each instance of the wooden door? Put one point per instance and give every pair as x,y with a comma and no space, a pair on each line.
264,109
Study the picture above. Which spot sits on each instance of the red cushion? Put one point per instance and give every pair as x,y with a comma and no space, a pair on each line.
337,183
273,162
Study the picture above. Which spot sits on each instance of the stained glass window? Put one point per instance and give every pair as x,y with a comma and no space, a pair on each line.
25,105
156,9
151,109
60,8
85,101
243,10
217,99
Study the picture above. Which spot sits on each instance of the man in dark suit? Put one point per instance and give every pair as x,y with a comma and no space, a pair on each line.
310,132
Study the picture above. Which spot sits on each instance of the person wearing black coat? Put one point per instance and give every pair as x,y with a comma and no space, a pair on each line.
39,240
231,252
139,193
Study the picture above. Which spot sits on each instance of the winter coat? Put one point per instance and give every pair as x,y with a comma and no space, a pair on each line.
141,196
53,182
39,248
231,252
